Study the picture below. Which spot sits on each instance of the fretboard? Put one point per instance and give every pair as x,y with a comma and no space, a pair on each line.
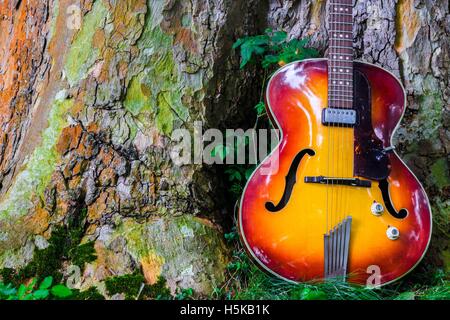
340,54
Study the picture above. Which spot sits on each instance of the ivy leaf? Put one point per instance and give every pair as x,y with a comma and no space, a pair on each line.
233,175
29,296
260,108
46,283
236,188
239,42
22,290
220,150
248,173
40,294
32,284
279,37
61,291
270,60
7,290
253,45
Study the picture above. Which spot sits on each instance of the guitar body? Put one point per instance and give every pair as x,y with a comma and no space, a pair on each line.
283,230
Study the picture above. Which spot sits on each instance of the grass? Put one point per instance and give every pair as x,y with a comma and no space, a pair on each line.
245,281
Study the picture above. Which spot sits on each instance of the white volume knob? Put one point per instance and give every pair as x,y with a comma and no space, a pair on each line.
377,208
392,233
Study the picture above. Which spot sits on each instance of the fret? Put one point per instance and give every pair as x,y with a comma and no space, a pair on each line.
341,96
341,14
340,4
343,23
341,82
340,31
343,75
341,47
341,99
344,90
340,67
341,37
345,54
339,61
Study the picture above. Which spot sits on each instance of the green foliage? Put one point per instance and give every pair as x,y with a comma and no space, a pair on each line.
260,108
185,294
63,246
273,48
134,287
89,294
82,254
61,291
32,292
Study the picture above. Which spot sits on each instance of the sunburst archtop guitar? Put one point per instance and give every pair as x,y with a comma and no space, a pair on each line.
340,203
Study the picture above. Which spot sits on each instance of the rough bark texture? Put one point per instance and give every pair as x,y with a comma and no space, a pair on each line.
86,116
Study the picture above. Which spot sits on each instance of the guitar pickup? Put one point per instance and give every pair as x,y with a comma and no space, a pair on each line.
339,117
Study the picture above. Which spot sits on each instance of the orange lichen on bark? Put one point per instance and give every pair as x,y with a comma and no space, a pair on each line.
152,267
408,25
22,41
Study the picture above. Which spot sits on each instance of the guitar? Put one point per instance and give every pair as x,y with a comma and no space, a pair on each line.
340,204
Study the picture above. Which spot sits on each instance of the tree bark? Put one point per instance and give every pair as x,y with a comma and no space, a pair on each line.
88,106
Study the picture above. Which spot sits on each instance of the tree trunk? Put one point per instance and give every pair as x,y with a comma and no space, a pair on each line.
91,92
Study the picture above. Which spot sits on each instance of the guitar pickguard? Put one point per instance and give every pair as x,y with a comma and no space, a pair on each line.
370,160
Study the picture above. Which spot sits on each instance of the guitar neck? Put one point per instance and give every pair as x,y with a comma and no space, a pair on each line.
340,54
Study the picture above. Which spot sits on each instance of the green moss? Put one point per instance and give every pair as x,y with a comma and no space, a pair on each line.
82,254
137,98
82,53
90,294
54,17
430,113
157,88
37,171
440,173
130,285
63,243
164,116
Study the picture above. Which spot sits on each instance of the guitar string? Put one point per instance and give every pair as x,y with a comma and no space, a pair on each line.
332,128
343,128
341,165
350,130
344,105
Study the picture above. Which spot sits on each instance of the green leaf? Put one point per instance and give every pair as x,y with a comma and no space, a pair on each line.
308,294
233,175
46,283
279,36
22,290
32,284
236,188
29,296
239,42
248,173
7,290
260,108
270,60
220,150
409,295
40,294
61,291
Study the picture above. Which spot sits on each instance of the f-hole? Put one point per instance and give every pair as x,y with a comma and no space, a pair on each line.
384,187
291,179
